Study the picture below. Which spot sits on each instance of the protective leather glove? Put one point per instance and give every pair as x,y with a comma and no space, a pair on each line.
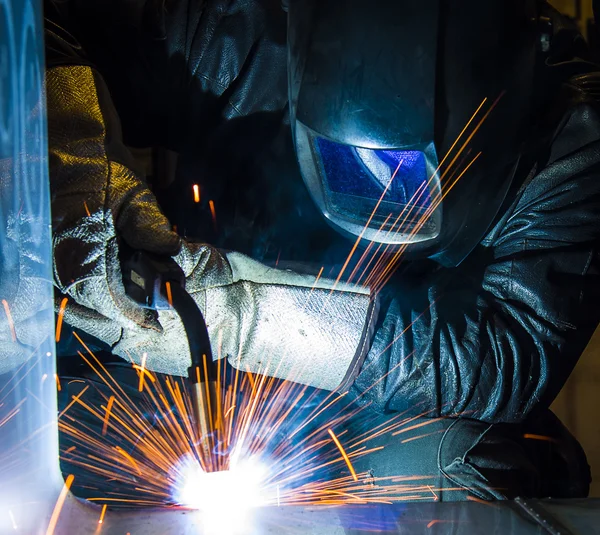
97,199
263,320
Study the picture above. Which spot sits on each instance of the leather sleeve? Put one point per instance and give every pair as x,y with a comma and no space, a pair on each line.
496,338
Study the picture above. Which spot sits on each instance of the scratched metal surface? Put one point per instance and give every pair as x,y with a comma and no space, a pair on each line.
574,517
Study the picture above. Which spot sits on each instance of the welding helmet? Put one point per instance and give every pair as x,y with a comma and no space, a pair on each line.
379,94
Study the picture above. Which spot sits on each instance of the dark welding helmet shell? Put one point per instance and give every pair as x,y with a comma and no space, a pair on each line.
373,81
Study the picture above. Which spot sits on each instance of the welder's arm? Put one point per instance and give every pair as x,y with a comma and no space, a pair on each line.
268,321
97,196
497,337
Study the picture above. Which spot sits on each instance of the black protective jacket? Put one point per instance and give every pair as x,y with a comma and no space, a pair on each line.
494,338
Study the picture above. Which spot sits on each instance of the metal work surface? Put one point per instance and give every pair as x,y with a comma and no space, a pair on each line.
580,517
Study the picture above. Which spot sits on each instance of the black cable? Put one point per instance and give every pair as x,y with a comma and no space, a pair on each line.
196,330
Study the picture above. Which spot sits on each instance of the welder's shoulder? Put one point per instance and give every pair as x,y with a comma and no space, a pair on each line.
559,203
236,49
580,124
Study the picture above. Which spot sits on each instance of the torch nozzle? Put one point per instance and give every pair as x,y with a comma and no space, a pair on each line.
204,405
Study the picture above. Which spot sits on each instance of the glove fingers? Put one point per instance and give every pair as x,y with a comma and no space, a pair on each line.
90,321
143,225
166,352
106,294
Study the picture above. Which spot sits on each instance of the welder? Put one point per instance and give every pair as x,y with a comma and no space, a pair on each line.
497,294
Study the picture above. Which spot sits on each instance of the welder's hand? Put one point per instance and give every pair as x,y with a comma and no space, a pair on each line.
97,199
264,320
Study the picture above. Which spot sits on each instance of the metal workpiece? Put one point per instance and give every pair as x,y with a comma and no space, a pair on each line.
433,518
542,517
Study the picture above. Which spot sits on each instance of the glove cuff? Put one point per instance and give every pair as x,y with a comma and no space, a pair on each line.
290,326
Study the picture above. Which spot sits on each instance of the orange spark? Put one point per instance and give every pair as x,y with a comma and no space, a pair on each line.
107,415
130,459
75,400
213,213
142,372
58,387
229,411
479,500
395,259
59,319
102,514
319,275
59,504
11,324
150,453
87,210
358,240
416,426
389,270
411,439
344,454
169,295
196,190
539,437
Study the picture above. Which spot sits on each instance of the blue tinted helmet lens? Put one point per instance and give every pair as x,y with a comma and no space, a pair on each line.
388,196
368,173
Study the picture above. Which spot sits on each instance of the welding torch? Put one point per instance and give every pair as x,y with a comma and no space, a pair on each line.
158,283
